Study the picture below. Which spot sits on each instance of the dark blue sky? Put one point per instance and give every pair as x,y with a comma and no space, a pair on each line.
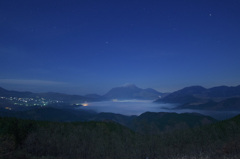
90,46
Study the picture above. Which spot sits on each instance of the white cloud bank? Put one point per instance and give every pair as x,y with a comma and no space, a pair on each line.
30,82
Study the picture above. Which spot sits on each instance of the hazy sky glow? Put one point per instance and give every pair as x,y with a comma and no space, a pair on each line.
90,46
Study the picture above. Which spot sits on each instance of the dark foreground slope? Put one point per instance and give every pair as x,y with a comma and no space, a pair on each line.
155,123
49,114
146,123
89,140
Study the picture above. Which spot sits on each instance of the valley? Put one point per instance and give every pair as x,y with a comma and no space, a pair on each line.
167,137
178,124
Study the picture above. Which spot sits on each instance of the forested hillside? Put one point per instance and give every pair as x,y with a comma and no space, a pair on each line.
146,123
53,140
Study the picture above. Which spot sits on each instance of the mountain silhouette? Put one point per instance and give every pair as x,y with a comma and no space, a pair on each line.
201,94
131,91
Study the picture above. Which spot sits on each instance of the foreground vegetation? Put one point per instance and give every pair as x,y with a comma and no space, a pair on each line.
24,139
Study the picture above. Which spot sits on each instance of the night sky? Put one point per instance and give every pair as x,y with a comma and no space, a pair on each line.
91,46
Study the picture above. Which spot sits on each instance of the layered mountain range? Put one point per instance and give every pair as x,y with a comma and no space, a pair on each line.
157,132
48,96
193,97
197,97
148,122
129,91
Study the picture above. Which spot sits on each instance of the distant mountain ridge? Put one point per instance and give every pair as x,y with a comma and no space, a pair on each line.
222,98
8,93
131,91
229,104
199,94
194,97
49,96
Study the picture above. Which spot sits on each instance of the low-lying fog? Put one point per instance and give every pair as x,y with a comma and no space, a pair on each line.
127,107
137,107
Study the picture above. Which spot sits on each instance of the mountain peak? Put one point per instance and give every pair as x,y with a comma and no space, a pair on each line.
131,91
129,85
